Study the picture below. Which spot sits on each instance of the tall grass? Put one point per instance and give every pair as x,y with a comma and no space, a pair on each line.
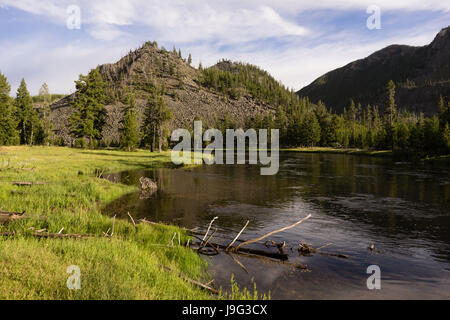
126,266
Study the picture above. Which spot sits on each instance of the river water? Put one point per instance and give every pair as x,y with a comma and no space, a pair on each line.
401,208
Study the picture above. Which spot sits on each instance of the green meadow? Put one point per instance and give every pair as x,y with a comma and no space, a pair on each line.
70,195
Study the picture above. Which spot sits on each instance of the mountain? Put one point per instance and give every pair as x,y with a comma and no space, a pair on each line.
186,94
421,74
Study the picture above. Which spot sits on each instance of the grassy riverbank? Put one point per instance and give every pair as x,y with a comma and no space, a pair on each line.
126,266
361,152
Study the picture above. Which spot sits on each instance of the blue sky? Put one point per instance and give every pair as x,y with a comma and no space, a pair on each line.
295,40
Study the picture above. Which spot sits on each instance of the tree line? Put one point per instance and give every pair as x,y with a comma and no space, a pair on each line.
20,122
309,124
88,118
301,122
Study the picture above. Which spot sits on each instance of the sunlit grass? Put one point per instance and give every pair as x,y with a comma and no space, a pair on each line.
127,266
377,153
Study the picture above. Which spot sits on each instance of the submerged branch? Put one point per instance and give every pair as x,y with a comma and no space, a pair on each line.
269,234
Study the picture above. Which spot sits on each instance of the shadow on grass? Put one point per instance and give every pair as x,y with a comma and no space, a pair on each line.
127,155
154,164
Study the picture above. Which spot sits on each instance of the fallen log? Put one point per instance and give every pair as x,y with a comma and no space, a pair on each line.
267,254
62,236
39,234
26,169
7,234
6,217
27,183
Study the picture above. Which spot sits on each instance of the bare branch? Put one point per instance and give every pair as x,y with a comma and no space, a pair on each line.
270,233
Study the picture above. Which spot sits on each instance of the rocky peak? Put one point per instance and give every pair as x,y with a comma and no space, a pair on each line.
442,39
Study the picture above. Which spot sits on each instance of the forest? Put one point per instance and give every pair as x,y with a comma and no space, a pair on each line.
301,122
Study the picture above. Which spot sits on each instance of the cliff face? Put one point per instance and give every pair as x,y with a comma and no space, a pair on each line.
146,67
421,74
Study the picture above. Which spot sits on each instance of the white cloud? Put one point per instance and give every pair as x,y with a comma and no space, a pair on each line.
58,67
105,32
210,30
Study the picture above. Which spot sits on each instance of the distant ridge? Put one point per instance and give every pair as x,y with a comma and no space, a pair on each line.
421,74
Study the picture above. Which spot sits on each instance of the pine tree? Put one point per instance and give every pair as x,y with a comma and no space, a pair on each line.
189,61
26,115
352,112
44,95
89,114
45,132
129,137
390,115
446,138
310,130
8,133
155,116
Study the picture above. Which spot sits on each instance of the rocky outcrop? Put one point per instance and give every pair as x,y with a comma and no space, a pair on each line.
145,68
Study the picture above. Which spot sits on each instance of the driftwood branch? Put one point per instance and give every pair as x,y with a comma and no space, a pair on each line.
270,233
237,261
207,240
132,220
192,281
324,246
238,235
209,228
114,222
306,250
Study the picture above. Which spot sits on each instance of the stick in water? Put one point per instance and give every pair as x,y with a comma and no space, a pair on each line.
209,228
237,237
270,233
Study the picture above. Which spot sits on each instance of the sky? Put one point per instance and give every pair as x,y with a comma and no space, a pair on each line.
54,41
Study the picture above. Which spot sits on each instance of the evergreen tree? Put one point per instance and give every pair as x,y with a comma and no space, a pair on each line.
89,114
310,130
44,95
390,115
45,134
129,138
446,138
189,60
27,117
8,133
155,116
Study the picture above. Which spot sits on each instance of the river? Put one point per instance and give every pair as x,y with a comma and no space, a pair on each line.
401,208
